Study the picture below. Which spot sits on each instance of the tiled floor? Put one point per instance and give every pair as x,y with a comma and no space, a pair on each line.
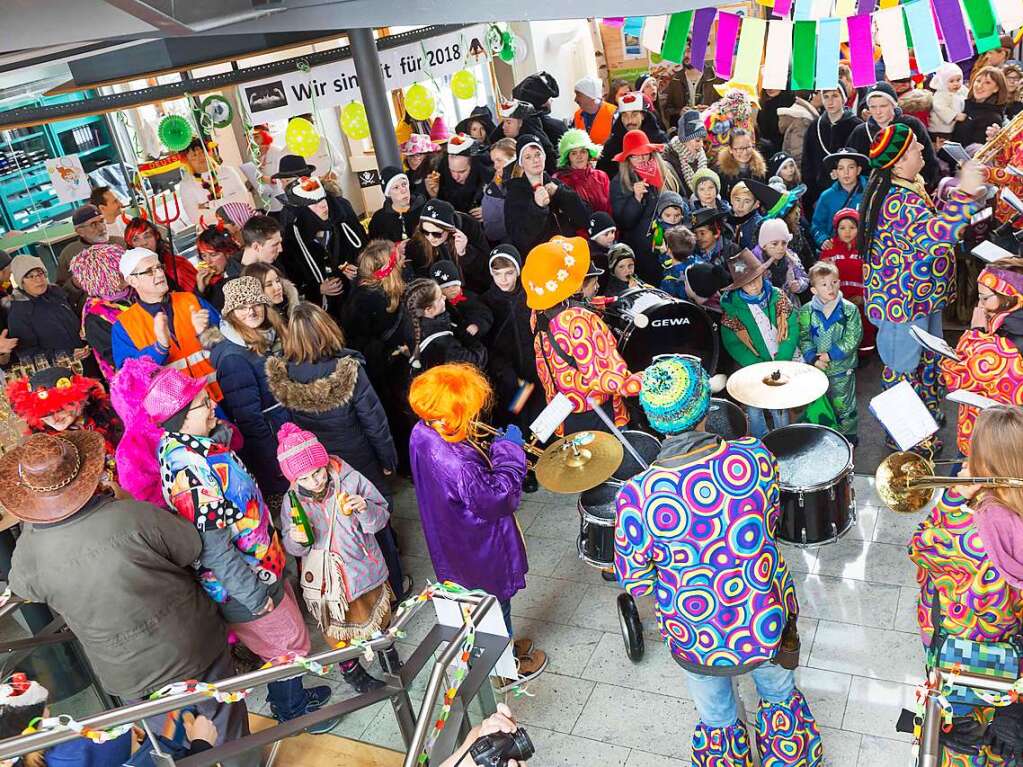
860,653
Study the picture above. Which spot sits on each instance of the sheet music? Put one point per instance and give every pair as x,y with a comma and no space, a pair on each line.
552,417
904,415
933,343
989,252
1009,198
956,152
964,397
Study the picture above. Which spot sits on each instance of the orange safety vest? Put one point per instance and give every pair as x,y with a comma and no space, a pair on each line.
600,131
186,354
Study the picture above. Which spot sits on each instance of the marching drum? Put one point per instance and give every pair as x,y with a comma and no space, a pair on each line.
596,542
648,322
726,419
815,473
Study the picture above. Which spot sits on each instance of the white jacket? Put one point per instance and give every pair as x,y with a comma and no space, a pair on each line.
946,107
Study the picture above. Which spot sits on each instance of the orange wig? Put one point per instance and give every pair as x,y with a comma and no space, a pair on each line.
448,397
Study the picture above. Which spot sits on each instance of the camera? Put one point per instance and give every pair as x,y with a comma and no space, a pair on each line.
495,750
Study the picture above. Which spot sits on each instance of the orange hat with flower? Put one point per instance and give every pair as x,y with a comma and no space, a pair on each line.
554,271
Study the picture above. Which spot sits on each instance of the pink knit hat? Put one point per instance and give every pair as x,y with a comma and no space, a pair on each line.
170,393
439,132
299,452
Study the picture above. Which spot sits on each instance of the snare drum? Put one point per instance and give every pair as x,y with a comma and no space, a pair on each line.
815,473
669,326
726,419
597,525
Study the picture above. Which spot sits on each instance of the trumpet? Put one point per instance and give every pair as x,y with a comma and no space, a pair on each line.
906,481
480,433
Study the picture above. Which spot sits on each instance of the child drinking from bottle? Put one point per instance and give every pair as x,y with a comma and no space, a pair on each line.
329,517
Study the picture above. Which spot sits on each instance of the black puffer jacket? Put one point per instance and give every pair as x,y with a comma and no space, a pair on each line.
249,404
474,264
979,117
613,145
528,224
633,218
334,399
43,324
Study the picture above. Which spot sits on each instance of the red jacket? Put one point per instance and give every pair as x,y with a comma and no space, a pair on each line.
850,266
592,185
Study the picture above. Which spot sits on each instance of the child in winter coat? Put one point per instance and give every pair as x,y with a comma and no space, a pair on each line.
758,324
745,217
829,335
949,102
840,249
707,191
435,338
467,311
329,518
786,270
681,244
671,211
602,232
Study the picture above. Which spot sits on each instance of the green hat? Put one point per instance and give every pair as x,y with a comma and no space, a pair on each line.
889,145
676,393
574,138
707,173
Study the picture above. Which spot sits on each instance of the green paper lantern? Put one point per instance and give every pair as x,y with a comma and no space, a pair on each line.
301,137
463,84
354,122
175,132
507,53
218,110
419,102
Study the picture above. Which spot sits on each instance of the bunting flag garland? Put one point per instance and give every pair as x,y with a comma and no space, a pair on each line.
676,36
982,22
925,37
751,51
782,8
653,33
728,31
861,50
703,20
829,34
779,52
891,36
804,55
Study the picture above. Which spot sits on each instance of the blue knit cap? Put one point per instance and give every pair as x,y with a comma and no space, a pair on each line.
675,394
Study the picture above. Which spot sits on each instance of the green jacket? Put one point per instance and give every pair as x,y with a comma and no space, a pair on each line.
839,336
741,336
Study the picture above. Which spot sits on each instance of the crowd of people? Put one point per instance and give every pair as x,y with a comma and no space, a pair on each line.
210,427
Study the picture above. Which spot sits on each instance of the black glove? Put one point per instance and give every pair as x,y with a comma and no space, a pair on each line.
965,737
1005,733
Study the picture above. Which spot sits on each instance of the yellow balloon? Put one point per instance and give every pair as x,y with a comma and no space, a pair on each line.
301,137
463,84
353,121
419,102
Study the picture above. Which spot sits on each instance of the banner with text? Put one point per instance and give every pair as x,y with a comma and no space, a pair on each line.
336,84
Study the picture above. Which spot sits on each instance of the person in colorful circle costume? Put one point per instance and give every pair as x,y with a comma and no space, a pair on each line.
991,352
697,531
970,571
576,353
908,251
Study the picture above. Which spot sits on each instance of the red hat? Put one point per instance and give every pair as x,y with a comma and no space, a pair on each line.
636,142
845,213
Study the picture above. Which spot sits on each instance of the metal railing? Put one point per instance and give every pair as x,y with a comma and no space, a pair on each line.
414,729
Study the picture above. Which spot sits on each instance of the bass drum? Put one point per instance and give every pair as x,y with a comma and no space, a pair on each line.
815,474
669,327
726,419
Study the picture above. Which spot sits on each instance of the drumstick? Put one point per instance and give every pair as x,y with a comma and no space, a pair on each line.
614,430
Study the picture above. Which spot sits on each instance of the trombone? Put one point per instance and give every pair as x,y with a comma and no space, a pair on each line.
906,481
480,433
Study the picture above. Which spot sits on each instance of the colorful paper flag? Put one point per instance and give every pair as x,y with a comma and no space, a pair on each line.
804,10
1010,14
613,21
781,9
845,8
804,55
891,36
676,37
829,34
653,33
702,22
633,25
866,6
926,48
982,22
953,28
861,50
778,54
728,30
821,9
889,3
751,51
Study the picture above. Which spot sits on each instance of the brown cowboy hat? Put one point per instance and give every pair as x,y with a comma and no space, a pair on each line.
744,267
49,477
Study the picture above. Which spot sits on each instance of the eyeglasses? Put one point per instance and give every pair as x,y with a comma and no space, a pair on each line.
746,148
148,272
206,404
435,234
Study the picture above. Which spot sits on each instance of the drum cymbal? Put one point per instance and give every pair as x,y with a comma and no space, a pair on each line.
579,461
777,385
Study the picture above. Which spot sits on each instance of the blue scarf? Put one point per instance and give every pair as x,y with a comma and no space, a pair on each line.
761,299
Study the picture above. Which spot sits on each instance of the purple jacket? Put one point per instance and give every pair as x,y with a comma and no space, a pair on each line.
468,511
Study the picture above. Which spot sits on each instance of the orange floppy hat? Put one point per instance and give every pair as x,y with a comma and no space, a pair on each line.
554,271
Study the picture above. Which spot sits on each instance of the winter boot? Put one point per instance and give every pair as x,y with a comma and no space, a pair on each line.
390,661
721,746
787,735
289,700
359,679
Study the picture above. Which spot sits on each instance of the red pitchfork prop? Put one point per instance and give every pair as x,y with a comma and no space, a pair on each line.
167,218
